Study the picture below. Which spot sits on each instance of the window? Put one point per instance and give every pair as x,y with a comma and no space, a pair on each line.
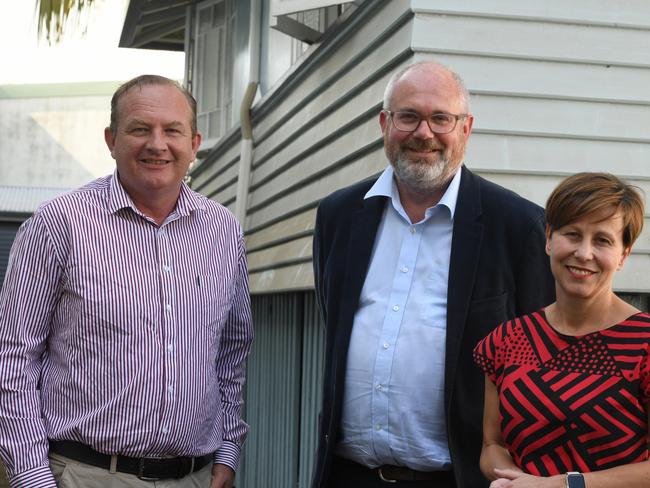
214,27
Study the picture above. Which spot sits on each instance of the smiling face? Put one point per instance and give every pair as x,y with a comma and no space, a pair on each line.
586,253
153,144
423,161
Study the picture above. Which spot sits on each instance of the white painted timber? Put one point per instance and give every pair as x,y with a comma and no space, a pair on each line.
543,40
556,87
206,174
281,231
537,187
289,278
357,43
310,194
297,248
316,160
527,153
615,13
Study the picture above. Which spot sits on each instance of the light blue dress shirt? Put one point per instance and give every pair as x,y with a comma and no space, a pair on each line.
393,406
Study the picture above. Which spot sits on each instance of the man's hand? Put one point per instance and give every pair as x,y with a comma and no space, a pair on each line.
222,476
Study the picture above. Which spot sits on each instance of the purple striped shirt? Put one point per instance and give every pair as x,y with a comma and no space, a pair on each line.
123,335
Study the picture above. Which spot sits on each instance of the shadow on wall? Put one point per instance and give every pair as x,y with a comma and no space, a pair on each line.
53,141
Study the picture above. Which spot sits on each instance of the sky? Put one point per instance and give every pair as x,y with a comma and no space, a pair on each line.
78,58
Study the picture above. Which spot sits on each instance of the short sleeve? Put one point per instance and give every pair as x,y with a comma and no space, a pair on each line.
488,354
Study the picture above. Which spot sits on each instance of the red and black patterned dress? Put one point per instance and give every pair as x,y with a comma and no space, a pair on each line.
570,403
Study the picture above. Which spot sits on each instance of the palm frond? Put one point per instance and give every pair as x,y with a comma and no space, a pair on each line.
52,16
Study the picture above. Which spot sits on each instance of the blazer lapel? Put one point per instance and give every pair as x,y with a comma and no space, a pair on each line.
364,223
465,249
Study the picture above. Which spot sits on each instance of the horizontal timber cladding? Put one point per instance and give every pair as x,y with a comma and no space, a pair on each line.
216,175
560,79
556,88
539,37
555,154
633,277
294,227
283,392
562,118
538,186
551,93
370,39
628,13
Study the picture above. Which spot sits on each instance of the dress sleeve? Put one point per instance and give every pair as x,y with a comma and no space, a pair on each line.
645,378
231,367
488,353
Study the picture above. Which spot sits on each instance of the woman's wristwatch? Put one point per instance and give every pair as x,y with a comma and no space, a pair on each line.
575,480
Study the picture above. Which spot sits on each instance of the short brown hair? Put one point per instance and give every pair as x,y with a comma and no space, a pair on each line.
587,193
146,80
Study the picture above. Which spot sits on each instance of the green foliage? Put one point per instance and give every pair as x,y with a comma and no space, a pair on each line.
53,14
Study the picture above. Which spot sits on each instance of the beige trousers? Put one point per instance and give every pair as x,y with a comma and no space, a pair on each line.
73,474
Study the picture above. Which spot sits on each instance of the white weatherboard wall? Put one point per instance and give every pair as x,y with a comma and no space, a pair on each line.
556,87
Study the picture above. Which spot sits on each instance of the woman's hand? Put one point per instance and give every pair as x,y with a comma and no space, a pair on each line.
511,478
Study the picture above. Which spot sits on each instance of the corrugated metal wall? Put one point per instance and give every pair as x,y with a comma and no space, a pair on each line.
7,233
283,392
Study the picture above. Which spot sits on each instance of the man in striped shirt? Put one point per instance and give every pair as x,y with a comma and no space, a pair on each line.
125,318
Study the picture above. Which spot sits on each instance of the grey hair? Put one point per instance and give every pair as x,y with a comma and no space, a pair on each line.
462,89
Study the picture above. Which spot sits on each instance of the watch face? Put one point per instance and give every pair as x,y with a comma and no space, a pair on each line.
575,480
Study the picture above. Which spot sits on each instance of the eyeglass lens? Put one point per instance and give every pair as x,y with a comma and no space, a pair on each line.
440,123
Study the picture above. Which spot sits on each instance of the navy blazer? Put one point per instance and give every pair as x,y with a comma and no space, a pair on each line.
498,270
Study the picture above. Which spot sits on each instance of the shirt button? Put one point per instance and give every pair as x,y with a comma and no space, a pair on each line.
168,307
386,345
380,387
377,427
404,269
170,347
412,230
395,308
166,268
165,430
170,390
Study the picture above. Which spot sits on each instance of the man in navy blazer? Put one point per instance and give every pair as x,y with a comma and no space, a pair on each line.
411,270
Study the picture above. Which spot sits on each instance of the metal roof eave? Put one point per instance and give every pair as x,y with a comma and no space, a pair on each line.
155,24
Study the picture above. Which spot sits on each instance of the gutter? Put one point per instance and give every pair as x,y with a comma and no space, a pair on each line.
246,147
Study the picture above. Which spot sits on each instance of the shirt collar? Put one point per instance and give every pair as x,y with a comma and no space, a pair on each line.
188,200
385,186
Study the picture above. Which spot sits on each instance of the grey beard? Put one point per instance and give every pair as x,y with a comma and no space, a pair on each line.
421,176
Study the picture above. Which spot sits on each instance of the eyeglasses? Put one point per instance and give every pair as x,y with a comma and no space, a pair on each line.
439,123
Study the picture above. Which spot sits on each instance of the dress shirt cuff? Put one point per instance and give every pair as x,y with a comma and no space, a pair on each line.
228,454
40,477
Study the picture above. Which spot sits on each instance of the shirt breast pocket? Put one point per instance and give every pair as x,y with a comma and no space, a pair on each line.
214,300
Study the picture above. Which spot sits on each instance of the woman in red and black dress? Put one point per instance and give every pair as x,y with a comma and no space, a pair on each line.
567,388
